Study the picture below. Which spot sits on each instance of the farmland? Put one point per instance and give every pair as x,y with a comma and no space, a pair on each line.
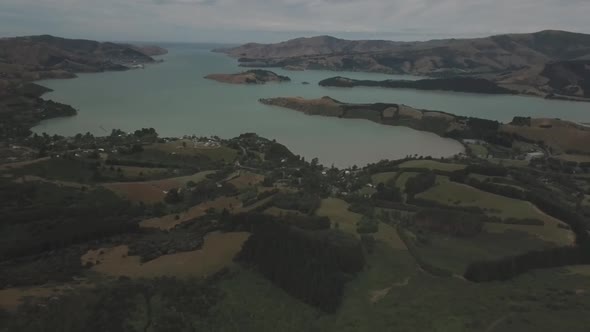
167,229
432,165
217,252
454,194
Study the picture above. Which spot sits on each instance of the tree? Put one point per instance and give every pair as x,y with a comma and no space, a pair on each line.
173,196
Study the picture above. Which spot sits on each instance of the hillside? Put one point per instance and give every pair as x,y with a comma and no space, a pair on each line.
524,62
42,57
26,59
116,233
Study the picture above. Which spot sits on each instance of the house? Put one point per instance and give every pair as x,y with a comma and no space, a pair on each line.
534,155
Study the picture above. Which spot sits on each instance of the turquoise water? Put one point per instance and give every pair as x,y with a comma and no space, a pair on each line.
174,98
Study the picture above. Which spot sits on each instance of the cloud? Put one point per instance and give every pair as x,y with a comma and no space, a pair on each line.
259,20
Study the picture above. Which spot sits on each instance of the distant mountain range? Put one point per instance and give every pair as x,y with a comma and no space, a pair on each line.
548,63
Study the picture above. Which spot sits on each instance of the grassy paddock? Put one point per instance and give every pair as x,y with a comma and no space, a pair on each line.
433,165
383,177
218,252
455,194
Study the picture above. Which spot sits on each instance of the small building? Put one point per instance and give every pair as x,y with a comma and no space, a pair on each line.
534,155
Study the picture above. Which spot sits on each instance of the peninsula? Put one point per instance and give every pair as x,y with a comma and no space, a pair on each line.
558,135
457,84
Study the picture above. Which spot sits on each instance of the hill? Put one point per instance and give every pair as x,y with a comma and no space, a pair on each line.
42,57
544,63
26,59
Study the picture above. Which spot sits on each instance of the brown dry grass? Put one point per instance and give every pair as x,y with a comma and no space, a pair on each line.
410,112
218,252
560,135
246,179
322,106
278,212
152,191
33,178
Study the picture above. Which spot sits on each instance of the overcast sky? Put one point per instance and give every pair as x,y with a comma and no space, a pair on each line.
272,20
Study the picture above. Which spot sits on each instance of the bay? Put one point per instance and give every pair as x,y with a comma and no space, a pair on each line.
175,99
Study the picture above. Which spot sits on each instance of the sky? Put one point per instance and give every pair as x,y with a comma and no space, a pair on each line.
237,21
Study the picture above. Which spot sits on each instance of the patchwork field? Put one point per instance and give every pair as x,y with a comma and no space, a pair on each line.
432,164
132,171
337,210
278,212
560,135
170,221
454,254
218,252
455,194
153,191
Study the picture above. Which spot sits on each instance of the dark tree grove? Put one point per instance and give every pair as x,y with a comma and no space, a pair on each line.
312,266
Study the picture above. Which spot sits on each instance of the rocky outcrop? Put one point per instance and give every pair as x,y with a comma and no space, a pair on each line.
457,84
249,77
513,61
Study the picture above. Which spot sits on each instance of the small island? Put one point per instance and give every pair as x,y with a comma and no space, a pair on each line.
456,84
255,76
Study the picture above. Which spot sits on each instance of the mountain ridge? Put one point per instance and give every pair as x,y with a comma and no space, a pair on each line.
519,62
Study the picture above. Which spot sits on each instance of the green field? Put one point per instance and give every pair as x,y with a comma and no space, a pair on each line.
455,194
403,178
392,294
478,150
454,254
337,210
433,165
383,177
